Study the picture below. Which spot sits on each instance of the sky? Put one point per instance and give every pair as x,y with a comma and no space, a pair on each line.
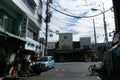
83,26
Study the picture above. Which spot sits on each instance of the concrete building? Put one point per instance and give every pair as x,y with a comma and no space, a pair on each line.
85,43
31,22
51,45
65,41
20,23
67,50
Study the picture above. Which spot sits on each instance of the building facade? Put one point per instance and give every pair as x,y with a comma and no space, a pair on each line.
31,23
51,45
65,41
20,23
85,43
67,50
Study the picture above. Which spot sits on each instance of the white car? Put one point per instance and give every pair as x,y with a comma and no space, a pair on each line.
47,61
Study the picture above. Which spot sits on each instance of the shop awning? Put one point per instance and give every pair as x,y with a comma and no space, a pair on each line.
9,35
16,37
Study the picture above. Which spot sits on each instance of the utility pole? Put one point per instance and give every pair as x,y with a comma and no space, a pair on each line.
95,46
46,33
94,32
105,27
104,22
47,20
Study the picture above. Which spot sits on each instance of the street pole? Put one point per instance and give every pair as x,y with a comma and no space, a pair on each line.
94,32
104,22
46,33
95,46
105,27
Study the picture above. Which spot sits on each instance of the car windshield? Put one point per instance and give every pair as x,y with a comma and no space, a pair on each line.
43,59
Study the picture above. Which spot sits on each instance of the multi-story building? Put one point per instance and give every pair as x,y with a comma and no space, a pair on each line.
65,41
67,50
31,23
20,23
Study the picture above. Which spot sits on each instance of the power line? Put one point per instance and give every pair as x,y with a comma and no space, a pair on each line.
72,24
67,29
80,24
64,21
78,16
86,16
82,33
72,15
59,26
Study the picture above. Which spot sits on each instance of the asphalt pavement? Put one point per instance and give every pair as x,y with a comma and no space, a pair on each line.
66,71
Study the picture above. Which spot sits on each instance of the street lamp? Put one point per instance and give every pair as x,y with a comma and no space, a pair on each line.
105,28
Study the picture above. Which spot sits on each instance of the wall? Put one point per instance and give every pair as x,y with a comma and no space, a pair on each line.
85,42
65,41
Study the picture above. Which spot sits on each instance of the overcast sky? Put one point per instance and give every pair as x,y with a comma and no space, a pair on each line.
80,27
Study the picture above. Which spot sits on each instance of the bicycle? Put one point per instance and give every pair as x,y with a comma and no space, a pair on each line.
92,69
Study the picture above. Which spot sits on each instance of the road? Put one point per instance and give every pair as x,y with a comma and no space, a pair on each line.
66,71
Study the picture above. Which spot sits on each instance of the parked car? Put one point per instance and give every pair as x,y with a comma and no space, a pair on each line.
47,62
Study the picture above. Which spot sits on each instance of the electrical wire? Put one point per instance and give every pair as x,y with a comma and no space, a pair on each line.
64,21
72,24
73,15
69,30
82,33
80,24
85,20
59,27
78,16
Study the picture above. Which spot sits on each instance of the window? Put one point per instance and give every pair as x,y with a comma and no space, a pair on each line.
6,22
65,37
35,36
30,34
30,4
